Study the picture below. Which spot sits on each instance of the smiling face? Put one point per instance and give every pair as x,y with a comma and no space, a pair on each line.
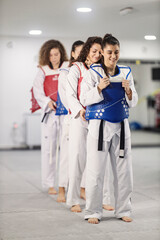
111,55
94,53
77,51
55,57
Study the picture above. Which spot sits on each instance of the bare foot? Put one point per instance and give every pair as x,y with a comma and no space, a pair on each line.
93,220
76,208
108,207
52,191
82,194
61,195
127,219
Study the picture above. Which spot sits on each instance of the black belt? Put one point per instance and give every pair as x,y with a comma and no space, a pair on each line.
45,114
44,117
100,139
122,138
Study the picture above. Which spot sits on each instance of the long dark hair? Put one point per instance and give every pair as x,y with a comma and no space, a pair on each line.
44,52
108,39
74,46
86,48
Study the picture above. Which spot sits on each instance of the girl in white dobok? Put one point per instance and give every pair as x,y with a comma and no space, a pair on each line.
79,73
51,57
108,95
64,142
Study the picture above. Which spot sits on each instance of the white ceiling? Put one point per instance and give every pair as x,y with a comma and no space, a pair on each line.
60,19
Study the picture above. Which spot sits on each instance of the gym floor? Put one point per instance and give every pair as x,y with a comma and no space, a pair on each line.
28,213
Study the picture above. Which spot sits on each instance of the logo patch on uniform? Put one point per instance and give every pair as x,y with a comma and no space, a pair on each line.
55,77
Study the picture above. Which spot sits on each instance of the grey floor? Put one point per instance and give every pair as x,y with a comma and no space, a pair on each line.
28,213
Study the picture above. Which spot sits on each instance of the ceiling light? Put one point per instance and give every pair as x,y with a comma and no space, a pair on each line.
84,9
150,37
125,11
35,32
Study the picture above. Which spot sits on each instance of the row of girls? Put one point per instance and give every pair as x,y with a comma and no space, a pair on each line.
85,103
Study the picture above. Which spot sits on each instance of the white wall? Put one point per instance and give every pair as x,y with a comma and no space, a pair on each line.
18,61
145,86
146,50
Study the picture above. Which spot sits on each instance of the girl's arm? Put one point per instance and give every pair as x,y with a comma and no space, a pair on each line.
89,90
132,96
38,90
62,82
71,91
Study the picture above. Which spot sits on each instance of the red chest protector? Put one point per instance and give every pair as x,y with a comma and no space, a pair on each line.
35,105
79,82
50,88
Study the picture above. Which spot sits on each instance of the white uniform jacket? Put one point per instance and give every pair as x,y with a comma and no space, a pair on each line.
38,85
62,83
90,95
78,73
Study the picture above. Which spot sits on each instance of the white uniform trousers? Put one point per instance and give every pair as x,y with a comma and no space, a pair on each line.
64,153
95,170
107,183
49,139
77,159
83,181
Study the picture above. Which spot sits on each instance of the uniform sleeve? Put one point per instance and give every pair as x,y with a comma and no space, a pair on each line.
38,90
133,102
89,91
62,80
71,91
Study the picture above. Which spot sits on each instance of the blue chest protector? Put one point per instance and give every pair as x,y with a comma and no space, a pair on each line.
60,110
114,107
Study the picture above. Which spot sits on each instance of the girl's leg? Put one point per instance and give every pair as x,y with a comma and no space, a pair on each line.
83,185
63,160
95,170
77,161
106,188
48,152
123,177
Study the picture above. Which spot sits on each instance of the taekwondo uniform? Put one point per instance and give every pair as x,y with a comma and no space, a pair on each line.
108,132
64,153
64,139
45,88
77,132
78,136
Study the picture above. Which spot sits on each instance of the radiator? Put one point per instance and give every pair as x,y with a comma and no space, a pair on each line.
33,129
